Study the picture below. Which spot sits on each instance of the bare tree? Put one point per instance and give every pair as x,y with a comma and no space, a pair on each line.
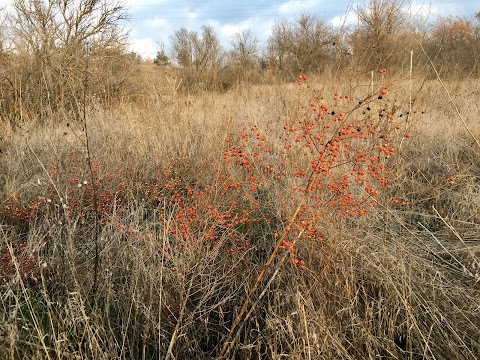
209,53
454,45
49,24
377,40
2,28
306,43
183,47
200,57
197,52
313,42
54,40
244,53
280,41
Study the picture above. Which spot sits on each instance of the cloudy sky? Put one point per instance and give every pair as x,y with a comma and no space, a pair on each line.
153,21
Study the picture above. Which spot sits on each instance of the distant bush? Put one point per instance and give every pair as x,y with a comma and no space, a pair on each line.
60,52
454,46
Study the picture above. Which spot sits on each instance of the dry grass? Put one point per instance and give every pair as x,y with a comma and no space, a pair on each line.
400,283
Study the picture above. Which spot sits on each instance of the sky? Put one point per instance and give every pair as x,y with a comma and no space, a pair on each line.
152,22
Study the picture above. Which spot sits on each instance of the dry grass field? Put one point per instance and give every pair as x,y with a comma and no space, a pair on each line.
146,230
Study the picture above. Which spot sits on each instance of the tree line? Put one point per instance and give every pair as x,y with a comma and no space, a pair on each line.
53,52
383,37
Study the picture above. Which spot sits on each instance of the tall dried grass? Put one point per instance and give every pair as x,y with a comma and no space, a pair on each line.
401,283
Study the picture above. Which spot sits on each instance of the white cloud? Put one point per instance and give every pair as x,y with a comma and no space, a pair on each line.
190,15
156,23
344,20
144,2
145,47
431,11
260,28
296,6
228,30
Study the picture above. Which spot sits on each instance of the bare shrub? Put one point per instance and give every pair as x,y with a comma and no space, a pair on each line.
382,37
453,45
306,44
200,56
56,45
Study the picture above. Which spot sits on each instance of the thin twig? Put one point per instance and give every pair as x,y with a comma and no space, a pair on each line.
463,268
262,294
173,340
267,265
